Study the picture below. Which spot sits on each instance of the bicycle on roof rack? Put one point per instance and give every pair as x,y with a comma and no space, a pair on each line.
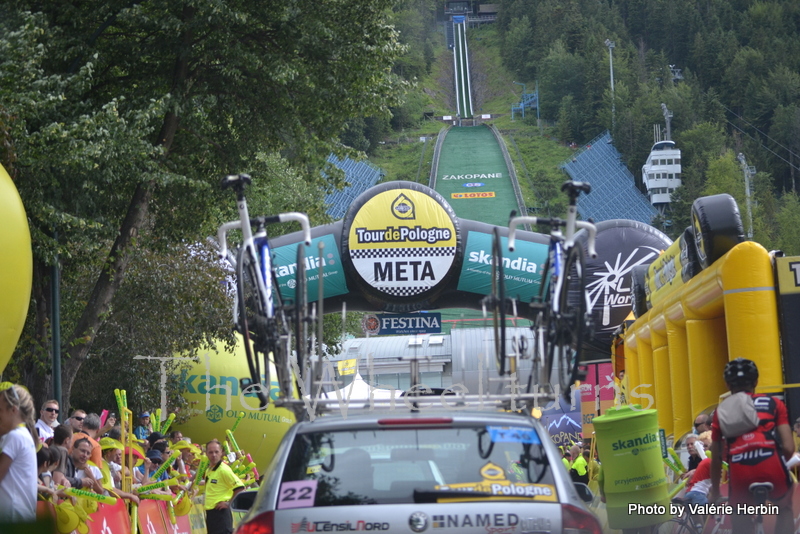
260,315
561,318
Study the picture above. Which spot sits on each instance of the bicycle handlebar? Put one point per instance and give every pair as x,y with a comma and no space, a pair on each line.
221,236
512,227
301,218
516,221
592,230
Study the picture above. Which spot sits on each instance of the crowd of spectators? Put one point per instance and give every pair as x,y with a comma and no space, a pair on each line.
84,452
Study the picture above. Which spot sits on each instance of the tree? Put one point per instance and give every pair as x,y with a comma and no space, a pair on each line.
207,86
788,218
568,120
142,322
516,48
724,175
560,75
786,131
698,146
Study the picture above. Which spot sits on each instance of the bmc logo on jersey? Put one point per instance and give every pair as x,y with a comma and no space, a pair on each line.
752,457
748,436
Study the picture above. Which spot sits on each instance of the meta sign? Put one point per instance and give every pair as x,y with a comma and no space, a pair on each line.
401,242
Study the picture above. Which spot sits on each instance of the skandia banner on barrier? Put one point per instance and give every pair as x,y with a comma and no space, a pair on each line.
401,240
332,271
384,324
522,268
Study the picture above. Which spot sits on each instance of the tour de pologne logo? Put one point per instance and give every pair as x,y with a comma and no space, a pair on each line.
402,243
403,208
215,413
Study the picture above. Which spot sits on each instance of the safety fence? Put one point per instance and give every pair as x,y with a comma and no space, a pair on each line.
149,516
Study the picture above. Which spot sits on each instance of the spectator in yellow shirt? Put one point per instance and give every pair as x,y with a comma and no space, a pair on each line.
579,471
222,485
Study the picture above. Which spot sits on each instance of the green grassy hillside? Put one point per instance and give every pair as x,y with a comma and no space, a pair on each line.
535,153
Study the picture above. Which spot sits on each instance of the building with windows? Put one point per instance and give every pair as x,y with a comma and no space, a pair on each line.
661,174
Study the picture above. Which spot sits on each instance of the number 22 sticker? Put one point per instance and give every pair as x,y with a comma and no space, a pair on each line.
297,494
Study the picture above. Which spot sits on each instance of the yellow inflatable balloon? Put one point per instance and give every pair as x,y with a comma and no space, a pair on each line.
16,267
216,402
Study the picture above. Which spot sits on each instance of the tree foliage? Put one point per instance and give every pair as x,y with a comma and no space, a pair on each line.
738,92
122,116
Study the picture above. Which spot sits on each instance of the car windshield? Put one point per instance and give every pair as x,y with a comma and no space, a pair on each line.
416,465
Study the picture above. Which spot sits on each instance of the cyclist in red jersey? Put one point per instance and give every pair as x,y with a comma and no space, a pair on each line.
756,456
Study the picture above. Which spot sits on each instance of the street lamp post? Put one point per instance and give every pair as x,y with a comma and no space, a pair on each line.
610,45
749,174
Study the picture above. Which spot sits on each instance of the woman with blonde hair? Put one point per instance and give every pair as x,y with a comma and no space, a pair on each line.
18,466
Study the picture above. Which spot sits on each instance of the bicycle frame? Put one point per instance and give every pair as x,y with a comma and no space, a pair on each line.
264,259
263,274
562,253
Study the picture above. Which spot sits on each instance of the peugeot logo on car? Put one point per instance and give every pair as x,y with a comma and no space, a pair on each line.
418,521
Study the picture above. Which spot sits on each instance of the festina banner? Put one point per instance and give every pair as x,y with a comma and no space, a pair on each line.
383,324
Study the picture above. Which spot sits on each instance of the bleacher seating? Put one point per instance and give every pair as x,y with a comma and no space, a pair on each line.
360,176
614,194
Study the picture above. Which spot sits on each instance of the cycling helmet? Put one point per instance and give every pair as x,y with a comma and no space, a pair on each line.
741,372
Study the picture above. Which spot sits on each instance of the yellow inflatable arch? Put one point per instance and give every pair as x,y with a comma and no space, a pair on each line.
16,267
676,352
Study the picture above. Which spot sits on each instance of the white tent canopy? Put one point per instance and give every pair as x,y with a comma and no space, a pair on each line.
358,393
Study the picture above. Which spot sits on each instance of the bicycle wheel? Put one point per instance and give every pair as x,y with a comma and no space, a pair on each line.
543,328
570,320
538,374
498,303
281,348
251,319
301,315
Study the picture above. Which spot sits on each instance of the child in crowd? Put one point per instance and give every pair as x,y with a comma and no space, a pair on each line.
47,461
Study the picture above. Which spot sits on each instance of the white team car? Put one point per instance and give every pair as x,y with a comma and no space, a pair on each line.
406,471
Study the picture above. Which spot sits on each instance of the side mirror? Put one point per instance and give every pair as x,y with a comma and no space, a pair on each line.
244,500
583,490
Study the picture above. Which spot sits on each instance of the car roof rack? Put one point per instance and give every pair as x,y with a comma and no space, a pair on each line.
416,398
507,401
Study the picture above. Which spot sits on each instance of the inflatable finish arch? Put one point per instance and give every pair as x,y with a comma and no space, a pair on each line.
400,248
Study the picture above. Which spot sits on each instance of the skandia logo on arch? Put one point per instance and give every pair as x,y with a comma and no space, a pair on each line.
330,264
515,264
522,268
